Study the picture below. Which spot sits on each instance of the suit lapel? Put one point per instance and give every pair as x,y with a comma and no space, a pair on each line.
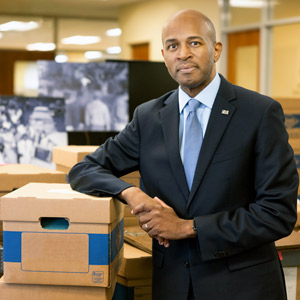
218,121
170,126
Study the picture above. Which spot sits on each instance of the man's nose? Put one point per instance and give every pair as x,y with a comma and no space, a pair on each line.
184,52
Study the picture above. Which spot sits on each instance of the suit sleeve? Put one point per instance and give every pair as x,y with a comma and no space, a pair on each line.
98,173
272,214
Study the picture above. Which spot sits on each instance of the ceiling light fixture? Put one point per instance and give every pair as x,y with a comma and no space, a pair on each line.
61,58
93,54
81,40
40,47
19,26
114,50
114,32
247,3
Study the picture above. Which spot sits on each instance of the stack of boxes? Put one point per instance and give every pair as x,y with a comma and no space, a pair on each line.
65,157
60,244
295,143
291,108
289,253
289,247
134,280
14,176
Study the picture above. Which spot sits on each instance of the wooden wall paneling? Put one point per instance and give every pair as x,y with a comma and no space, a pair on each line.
7,61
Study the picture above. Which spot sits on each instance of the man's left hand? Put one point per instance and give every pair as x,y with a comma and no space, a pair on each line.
161,221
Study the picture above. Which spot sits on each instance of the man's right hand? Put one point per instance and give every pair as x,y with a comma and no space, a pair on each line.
134,196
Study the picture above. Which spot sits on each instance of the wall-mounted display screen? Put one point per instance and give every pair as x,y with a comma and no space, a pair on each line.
96,94
29,129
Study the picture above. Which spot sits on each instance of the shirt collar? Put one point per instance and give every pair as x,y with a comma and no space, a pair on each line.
206,97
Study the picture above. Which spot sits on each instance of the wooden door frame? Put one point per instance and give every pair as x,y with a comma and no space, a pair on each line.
239,39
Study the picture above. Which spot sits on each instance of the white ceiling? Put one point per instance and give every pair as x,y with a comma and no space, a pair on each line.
77,8
74,17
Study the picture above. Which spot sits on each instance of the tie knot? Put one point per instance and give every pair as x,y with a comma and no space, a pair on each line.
193,105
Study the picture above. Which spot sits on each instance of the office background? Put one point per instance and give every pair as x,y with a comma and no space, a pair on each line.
260,37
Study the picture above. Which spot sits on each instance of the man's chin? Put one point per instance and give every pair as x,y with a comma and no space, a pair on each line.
190,85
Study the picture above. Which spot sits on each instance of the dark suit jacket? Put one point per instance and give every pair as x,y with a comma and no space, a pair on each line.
243,196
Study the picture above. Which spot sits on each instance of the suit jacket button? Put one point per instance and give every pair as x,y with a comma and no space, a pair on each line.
186,264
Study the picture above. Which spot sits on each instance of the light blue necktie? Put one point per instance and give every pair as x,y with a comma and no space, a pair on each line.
193,140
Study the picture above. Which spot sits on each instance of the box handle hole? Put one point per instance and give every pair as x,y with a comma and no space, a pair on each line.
54,223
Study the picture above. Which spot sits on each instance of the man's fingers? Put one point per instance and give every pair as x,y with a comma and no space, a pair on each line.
162,203
163,242
143,207
139,208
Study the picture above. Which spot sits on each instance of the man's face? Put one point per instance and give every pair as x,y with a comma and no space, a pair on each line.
190,53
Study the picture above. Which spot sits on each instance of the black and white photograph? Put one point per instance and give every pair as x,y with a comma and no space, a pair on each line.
30,128
96,94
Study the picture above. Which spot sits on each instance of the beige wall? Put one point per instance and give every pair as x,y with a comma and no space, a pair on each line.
286,62
142,23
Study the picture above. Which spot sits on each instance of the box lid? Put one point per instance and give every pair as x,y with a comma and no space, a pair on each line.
70,155
290,242
136,263
36,200
13,176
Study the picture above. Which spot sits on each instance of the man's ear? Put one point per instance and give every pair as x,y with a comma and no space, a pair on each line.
162,52
217,51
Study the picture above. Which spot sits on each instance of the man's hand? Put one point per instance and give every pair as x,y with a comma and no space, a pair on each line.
161,221
135,197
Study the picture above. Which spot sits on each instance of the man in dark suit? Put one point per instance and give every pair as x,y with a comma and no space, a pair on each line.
213,237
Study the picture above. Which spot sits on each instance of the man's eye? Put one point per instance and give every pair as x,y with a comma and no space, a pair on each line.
195,43
172,46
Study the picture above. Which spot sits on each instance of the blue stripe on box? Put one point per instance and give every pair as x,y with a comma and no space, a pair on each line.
117,240
12,246
98,245
98,249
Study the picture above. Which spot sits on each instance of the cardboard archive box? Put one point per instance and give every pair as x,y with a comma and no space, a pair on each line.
13,176
295,143
65,157
139,289
10,291
289,253
55,235
291,108
136,264
134,280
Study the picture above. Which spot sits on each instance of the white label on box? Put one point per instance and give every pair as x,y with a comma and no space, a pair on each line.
290,275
